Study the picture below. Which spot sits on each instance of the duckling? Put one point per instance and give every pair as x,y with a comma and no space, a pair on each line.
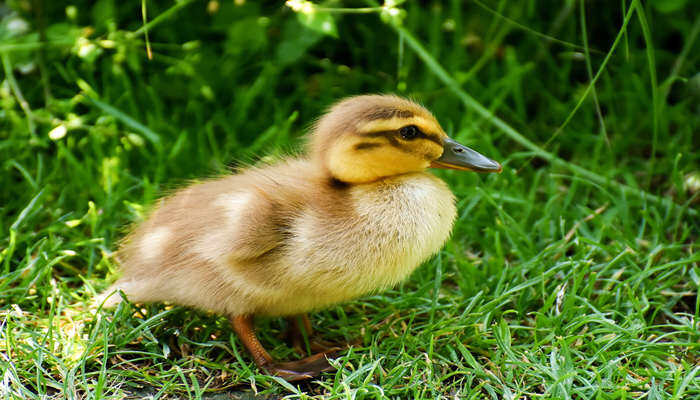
355,215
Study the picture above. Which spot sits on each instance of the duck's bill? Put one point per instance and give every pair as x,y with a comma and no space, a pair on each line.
457,156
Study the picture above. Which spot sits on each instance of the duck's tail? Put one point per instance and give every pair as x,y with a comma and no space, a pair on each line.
115,294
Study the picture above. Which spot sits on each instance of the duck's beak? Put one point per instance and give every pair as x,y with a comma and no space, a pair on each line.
457,156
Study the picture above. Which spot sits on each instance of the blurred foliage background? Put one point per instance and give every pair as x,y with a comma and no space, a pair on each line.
105,107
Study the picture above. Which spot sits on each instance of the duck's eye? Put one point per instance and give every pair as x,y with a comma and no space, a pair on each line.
409,132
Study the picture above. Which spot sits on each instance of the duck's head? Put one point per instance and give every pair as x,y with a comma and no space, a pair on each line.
366,138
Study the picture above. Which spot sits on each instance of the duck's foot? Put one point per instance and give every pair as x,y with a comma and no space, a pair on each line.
306,368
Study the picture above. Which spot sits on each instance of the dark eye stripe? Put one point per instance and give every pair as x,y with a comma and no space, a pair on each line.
389,134
433,138
379,133
393,142
367,146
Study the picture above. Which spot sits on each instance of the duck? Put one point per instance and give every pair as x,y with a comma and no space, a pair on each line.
354,214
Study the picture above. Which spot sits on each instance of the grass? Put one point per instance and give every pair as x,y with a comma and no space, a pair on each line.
573,274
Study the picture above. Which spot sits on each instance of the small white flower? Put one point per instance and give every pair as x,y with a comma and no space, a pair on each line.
58,132
692,182
17,26
85,48
73,223
302,6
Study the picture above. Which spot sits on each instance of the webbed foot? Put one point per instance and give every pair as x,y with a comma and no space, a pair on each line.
307,368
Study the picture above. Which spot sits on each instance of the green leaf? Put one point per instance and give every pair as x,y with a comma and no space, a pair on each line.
667,6
319,21
695,276
297,40
246,36
105,14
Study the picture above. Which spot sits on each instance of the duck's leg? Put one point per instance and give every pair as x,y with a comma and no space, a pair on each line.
292,371
300,324
297,327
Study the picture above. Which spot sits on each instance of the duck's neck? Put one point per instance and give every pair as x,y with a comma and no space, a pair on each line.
336,183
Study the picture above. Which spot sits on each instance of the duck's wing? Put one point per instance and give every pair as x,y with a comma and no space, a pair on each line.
227,220
231,220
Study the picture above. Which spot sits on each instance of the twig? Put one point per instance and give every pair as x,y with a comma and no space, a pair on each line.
589,69
530,30
675,70
41,55
149,53
594,80
160,18
7,66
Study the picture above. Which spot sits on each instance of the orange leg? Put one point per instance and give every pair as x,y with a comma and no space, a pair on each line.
292,371
300,325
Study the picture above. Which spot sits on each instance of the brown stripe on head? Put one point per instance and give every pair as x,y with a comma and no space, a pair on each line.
388,113
382,126
352,116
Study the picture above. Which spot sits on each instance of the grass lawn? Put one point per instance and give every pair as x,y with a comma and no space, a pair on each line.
573,274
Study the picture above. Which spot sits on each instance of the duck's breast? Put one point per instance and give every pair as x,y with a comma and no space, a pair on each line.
388,230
